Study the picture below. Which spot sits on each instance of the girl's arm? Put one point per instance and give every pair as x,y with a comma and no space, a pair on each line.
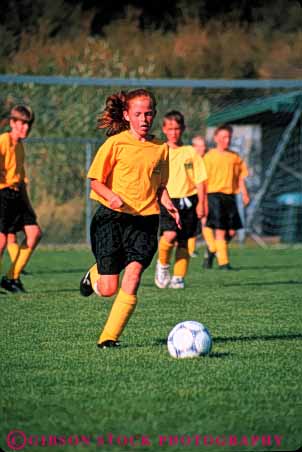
102,190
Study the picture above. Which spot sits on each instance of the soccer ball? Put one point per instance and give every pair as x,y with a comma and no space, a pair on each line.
189,339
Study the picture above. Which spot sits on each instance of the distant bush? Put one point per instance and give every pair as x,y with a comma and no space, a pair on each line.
214,50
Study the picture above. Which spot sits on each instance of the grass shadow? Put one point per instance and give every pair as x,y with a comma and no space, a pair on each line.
59,271
268,267
270,283
282,337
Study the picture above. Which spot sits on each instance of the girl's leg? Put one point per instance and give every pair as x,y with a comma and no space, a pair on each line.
123,305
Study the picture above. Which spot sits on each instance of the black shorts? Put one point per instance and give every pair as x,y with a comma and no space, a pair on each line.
15,211
119,238
223,212
188,218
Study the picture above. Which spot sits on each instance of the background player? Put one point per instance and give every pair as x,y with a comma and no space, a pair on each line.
200,146
186,189
16,212
226,172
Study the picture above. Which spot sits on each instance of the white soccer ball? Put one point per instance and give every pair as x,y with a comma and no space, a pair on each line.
189,339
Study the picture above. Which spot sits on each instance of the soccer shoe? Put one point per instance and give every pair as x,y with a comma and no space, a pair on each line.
85,285
19,285
12,285
177,282
208,259
162,275
109,344
194,254
225,267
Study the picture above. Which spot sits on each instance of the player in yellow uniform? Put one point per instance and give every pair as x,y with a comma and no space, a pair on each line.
186,189
226,177
128,176
200,146
16,212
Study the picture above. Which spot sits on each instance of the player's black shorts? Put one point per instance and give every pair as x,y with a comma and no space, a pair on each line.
15,211
188,217
223,212
119,238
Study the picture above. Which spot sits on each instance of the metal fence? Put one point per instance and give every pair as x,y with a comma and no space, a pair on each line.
64,138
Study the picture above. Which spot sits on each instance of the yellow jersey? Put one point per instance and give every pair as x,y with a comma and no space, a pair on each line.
186,170
224,170
132,169
12,171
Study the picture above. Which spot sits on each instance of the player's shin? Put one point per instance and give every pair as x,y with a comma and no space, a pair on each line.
121,311
181,265
164,251
222,252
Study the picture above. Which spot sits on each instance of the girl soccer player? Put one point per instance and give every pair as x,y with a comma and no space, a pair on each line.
128,177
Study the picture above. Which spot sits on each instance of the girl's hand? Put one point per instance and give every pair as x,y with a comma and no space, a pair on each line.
115,202
174,213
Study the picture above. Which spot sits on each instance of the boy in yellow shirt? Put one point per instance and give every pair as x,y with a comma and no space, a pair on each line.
226,173
16,212
200,146
186,189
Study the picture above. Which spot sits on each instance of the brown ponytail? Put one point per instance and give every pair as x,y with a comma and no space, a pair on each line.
112,118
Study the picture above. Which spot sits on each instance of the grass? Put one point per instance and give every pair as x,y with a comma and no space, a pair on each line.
55,382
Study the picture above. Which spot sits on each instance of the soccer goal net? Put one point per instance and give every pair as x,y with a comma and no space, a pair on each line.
266,118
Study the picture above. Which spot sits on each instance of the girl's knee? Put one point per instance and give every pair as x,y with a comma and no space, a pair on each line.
107,288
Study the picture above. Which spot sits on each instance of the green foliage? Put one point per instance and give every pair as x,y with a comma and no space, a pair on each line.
56,382
59,42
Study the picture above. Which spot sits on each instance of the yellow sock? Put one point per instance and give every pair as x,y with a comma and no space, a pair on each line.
222,252
94,277
13,250
182,259
191,245
122,308
164,251
209,237
22,259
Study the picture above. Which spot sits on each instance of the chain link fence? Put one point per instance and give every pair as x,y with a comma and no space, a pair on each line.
64,139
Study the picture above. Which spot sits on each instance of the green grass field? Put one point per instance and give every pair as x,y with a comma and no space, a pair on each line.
56,382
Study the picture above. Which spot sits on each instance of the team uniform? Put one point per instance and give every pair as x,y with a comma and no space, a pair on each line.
135,170
224,169
15,209
186,171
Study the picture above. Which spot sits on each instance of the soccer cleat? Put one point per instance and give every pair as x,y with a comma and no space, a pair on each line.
225,267
208,259
162,275
177,282
85,285
12,285
19,285
109,344
194,254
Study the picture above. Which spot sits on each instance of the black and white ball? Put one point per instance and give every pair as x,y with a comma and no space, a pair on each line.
189,339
